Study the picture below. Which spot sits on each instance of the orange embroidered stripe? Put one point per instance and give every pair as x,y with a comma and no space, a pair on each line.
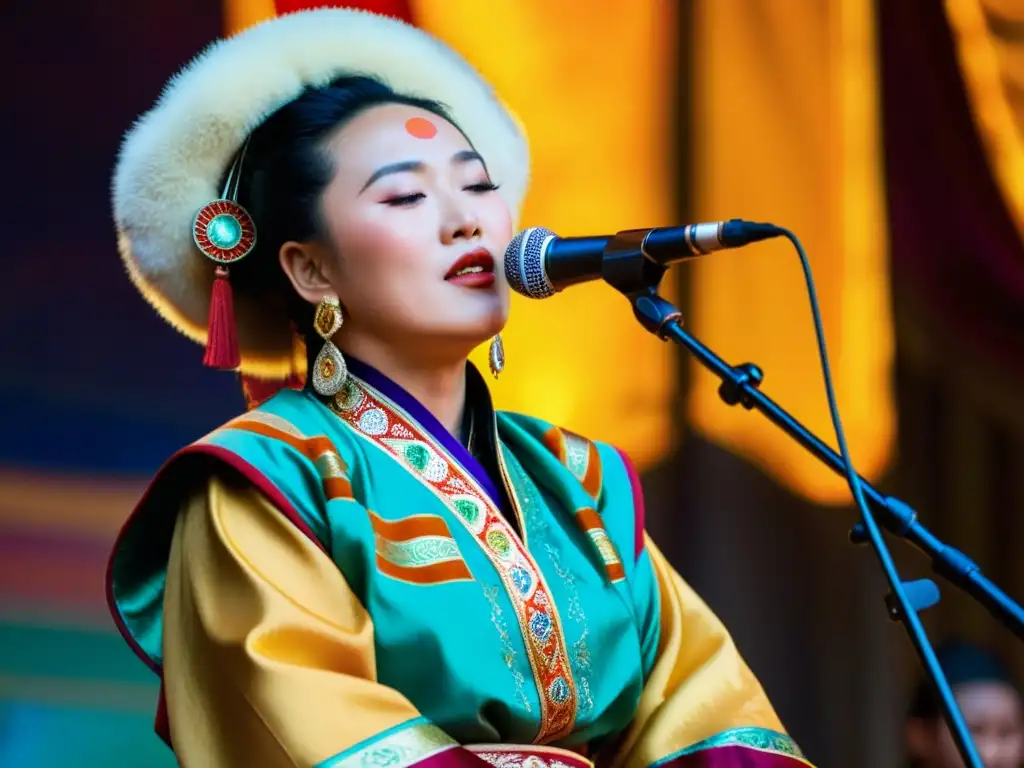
588,518
579,455
319,450
310,447
378,420
436,573
337,488
554,442
591,524
409,527
418,549
615,571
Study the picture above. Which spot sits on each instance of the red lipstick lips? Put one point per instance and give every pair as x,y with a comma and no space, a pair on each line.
473,270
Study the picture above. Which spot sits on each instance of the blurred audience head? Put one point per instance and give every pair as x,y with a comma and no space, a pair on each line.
991,705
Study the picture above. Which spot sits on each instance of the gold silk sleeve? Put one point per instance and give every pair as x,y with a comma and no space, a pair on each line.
700,686
268,654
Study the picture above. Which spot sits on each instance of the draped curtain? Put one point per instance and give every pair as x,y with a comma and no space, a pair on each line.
958,268
789,133
989,43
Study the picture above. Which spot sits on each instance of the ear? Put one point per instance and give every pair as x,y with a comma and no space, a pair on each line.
307,266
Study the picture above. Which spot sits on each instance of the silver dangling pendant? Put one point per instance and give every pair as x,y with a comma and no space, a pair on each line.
329,370
496,356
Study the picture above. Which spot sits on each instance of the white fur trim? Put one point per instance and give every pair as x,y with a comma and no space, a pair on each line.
172,160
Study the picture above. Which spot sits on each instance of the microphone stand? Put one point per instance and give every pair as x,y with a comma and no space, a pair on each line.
628,270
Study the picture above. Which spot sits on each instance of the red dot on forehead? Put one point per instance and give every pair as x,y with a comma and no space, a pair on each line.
421,128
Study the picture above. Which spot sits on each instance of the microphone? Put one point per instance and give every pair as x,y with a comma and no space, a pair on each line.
539,263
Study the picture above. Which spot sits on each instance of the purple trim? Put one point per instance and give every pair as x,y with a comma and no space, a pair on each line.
418,412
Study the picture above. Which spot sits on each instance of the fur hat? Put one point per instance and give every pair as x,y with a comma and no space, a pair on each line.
173,160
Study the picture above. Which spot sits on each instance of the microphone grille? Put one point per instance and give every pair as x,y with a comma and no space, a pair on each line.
524,263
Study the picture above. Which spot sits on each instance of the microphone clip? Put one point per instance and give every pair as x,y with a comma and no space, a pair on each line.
627,268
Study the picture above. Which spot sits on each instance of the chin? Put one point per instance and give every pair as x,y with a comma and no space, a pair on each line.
496,323
479,330
485,322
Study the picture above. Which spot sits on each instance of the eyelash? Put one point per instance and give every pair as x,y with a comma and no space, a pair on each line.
400,202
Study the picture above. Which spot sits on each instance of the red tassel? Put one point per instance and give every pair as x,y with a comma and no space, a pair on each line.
222,336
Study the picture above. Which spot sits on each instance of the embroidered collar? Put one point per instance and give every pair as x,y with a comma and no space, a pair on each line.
480,455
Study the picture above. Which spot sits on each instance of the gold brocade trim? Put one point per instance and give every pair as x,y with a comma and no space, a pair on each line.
400,747
376,418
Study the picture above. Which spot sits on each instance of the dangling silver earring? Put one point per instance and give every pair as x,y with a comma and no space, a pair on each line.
329,370
496,356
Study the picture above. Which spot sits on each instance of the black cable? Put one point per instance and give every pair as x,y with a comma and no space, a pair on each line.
908,613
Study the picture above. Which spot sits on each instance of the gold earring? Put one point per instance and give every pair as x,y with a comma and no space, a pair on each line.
496,356
329,370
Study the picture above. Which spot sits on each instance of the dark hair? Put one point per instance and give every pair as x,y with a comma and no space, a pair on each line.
962,663
284,173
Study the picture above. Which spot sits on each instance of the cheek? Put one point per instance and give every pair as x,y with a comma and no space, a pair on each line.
377,245
497,220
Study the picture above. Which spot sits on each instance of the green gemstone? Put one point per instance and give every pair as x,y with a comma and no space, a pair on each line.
468,510
499,542
418,456
224,231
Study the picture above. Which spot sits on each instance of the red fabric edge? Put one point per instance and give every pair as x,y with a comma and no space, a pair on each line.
456,757
638,504
399,9
162,723
250,473
734,756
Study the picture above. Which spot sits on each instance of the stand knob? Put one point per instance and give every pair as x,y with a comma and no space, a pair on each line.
922,594
734,388
858,534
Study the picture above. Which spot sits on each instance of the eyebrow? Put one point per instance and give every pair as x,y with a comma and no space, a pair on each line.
465,156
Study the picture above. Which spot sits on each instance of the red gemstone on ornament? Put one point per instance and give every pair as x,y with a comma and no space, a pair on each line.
224,231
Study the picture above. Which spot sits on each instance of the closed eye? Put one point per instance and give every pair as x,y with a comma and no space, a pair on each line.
405,200
483,186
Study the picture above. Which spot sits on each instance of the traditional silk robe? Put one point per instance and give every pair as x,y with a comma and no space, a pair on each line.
342,583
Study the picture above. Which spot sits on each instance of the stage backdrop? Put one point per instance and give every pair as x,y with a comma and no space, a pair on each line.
95,390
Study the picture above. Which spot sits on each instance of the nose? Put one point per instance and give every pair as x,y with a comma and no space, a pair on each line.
461,223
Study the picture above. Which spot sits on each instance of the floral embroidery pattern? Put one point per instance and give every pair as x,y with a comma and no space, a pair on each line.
508,653
399,747
580,657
